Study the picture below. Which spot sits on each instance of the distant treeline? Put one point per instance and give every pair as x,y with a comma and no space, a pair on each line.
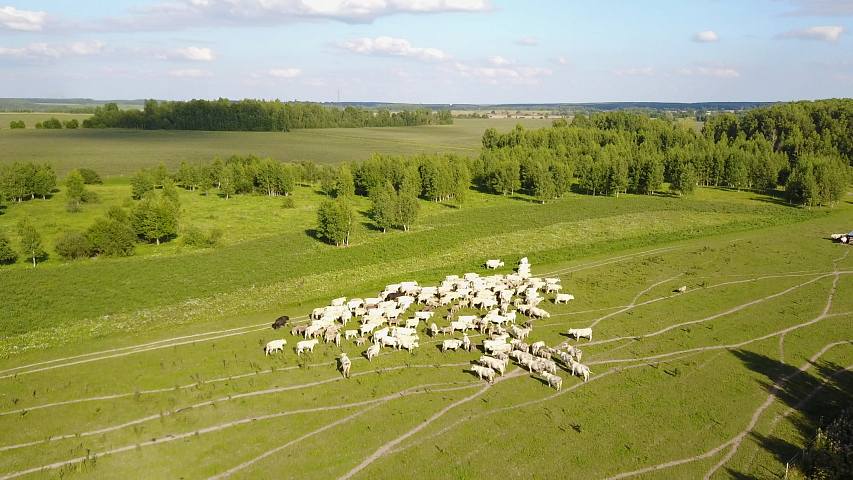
805,146
256,116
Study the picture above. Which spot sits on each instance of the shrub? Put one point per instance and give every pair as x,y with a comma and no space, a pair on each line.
17,124
90,177
73,245
52,123
72,124
7,253
195,237
288,203
112,236
829,455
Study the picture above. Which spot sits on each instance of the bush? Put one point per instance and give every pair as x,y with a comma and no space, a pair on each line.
90,197
288,203
195,237
72,124
73,245
52,123
7,253
17,124
829,455
90,177
112,236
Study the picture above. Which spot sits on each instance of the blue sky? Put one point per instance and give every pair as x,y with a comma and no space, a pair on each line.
428,51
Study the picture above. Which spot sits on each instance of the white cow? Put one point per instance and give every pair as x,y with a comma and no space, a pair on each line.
466,342
681,289
390,342
306,345
579,333
583,370
451,344
553,287
501,349
424,315
412,322
403,332
485,373
348,334
536,312
461,326
493,363
337,302
564,298
494,264
554,381
409,343
536,346
275,346
519,332
346,363
372,351
380,334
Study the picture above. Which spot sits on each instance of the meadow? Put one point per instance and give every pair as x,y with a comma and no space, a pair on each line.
114,152
154,363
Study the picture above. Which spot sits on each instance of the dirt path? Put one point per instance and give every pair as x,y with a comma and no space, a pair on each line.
633,301
609,261
426,388
385,448
208,403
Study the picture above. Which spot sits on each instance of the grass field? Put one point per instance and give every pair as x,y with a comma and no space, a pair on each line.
122,152
30,119
111,367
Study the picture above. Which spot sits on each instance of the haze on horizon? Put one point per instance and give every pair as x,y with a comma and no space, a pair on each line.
428,51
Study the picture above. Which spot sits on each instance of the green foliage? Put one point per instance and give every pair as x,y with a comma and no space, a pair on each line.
23,180
51,123
288,203
141,183
829,455
383,206
196,237
112,235
30,240
17,124
90,177
337,182
683,178
817,181
72,124
335,221
75,190
255,116
7,253
72,245
155,218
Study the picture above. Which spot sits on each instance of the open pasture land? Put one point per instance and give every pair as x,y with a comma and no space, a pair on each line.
122,152
725,380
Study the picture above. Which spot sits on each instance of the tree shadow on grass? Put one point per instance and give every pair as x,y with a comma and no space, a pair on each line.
817,402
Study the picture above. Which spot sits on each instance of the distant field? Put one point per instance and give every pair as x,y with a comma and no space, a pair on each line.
32,118
122,152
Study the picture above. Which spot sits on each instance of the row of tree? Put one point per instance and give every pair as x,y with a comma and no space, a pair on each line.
256,115
20,181
616,152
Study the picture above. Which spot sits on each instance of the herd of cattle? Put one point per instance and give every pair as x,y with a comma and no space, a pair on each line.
500,299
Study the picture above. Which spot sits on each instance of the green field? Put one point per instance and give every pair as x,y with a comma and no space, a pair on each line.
122,152
30,119
111,366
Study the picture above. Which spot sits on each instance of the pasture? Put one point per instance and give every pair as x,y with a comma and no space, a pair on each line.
123,152
159,358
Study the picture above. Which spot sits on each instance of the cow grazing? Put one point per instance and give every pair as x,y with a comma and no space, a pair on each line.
536,346
337,302
345,363
466,342
298,330
306,345
275,346
372,351
681,289
583,370
409,343
280,322
579,333
493,363
494,264
554,381
350,334
451,344
485,373
564,298
360,341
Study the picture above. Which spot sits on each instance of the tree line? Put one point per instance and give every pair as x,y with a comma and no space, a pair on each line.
256,115
615,152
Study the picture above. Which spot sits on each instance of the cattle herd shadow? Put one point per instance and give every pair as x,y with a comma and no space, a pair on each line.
828,399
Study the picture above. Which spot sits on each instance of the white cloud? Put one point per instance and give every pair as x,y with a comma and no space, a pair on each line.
716,72
827,33
495,75
196,54
394,47
42,50
284,72
634,72
527,41
499,61
190,73
706,36
23,20
177,14
562,60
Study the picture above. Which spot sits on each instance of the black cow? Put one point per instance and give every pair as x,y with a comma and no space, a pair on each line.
280,322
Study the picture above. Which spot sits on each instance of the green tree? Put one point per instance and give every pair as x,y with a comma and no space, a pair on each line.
72,245
112,235
30,241
383,208
170,192
7,253
407,207
16,124
141,183
90,177
75,190
52,123
155,218
335,221
72,124
684,178
44,181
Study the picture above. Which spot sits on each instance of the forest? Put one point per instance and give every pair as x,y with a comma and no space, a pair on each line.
256,116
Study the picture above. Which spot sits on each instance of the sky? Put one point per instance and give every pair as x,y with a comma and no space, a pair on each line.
428,51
